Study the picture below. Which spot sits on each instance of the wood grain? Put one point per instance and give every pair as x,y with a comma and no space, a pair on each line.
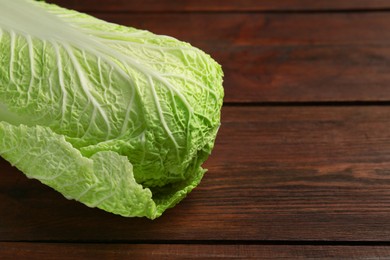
282,58
221,5
277,173
181,251
257,29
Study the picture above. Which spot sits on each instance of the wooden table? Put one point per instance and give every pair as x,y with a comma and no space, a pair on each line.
301,167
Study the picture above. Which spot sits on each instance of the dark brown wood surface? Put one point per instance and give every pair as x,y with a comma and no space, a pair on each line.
41,251
221,5
301,166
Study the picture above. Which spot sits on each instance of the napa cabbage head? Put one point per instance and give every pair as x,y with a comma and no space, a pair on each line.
111,116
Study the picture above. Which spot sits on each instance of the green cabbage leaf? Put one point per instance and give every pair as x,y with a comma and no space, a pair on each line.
114,117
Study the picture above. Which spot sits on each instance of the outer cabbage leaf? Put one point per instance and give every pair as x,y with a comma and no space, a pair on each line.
112,116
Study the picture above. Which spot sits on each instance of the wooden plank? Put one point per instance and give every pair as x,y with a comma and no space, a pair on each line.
258,29
277,173
221,5
328,57
181,251
305,74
